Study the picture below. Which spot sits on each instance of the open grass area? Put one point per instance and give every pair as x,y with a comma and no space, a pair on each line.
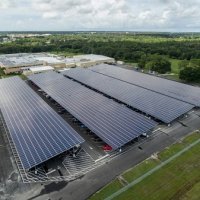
178,179
108,190
140,169
175,65
193,194
173,149
170,182
175,70
150,163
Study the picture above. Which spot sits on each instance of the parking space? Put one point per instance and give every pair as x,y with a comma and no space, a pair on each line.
94,143
6,167
94,152
75,165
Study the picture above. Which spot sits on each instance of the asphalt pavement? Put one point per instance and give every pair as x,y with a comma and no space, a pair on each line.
84,187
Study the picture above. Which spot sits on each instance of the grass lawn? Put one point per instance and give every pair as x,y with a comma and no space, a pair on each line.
173,181
108,190
174,65
174,75
173,149
150,163
140,169
193,194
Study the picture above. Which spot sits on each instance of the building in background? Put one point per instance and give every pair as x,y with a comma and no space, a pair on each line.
89,60
15,63
36,69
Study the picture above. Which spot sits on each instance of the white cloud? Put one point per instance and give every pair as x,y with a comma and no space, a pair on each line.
105,15
4,4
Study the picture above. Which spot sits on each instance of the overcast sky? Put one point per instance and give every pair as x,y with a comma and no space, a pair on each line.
110,15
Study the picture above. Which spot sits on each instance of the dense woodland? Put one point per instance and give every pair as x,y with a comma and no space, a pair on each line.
150,51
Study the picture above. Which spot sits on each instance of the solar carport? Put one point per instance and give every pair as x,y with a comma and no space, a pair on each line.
159,106
180,91
36,130
114,123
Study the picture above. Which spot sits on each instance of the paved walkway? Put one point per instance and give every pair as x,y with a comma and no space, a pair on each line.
136,181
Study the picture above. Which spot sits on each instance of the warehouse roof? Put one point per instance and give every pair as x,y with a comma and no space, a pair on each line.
27,59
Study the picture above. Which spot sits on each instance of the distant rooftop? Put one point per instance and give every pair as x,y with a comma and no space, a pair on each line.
27,59
91,57
34,59
38,68
87,58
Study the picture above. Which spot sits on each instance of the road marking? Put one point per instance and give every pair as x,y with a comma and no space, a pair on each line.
101,158
136,181
51,172
156,130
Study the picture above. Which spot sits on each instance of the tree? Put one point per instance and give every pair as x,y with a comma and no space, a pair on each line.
142,61
190,74
183,64
158,64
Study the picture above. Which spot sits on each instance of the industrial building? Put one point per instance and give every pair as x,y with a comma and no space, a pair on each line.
36,69
13,63
91,60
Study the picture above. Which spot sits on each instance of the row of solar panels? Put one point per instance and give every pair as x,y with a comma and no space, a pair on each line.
180,91
37,131
112,122
159,106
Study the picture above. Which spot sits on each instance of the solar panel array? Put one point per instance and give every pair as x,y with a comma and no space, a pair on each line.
159,106
114,123
180,91
37,131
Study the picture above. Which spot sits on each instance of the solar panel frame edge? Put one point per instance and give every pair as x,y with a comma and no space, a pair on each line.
64,79
79,141
78,74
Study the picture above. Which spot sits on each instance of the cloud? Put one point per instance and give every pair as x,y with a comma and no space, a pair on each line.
4,4
106,15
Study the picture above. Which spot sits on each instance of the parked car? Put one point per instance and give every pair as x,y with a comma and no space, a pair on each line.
107,147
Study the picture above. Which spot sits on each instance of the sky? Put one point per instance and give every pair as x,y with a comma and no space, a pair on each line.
100,15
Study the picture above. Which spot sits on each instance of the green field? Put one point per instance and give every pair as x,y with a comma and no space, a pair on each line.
180,179
175,65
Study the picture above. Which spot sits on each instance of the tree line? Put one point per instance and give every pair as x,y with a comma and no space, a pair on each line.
149,51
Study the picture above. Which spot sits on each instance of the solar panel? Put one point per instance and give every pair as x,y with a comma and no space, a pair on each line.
37,131
159,106
114,123
180,91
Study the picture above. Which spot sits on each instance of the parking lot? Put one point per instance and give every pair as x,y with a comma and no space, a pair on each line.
90,161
